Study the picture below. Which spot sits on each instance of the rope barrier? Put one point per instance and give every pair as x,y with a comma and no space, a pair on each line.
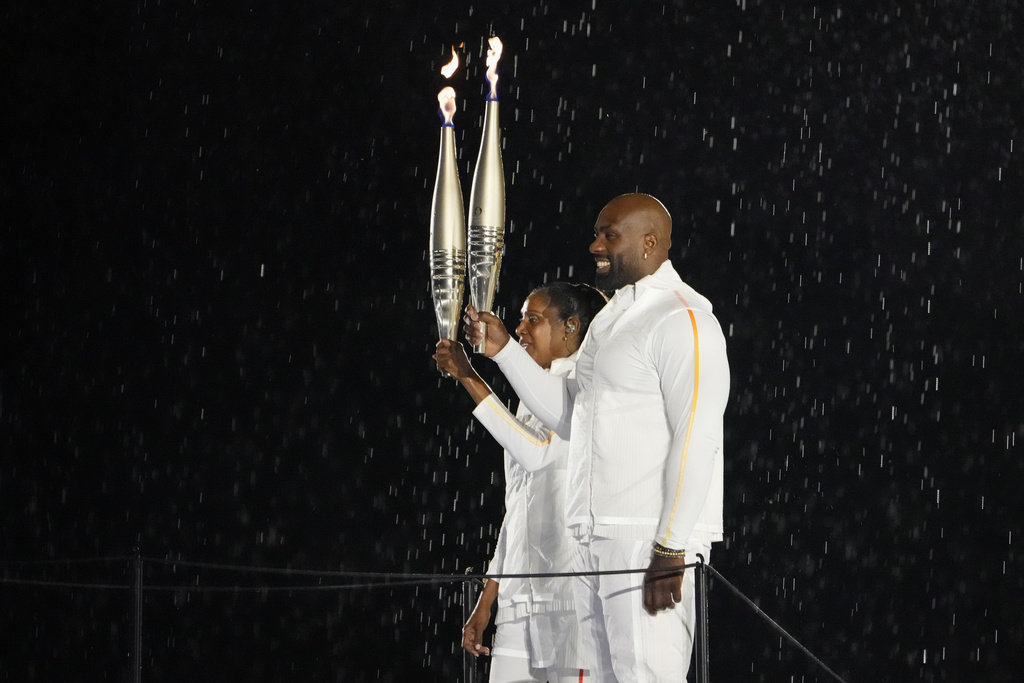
365,580
63,584
84,560
386,575
385,579
781,631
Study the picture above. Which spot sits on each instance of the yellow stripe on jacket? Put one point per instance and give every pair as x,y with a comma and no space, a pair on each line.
689,424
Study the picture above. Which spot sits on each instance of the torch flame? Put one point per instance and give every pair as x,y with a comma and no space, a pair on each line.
448,69
493,55
446,98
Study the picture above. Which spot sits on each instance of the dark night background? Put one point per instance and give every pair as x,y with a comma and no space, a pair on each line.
217,324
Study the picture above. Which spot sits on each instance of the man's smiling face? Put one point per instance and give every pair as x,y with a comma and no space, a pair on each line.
618,247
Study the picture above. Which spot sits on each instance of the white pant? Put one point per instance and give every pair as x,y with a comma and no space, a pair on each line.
625,643
510,658
518,670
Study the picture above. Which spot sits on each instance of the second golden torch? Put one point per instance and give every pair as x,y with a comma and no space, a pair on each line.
487,201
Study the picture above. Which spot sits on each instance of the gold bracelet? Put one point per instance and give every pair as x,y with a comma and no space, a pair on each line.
662,551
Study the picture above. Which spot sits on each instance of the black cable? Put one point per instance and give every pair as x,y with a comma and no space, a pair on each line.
62,584
402,575
43,563
384,580
779,629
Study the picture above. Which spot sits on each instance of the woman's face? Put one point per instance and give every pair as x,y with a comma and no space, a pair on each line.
540,332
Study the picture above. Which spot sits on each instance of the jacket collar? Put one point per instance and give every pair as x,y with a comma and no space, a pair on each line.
665,278
563,366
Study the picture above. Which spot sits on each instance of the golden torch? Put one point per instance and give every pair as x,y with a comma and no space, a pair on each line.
487,201
447,221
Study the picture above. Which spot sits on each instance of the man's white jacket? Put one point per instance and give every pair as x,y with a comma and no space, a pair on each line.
644,413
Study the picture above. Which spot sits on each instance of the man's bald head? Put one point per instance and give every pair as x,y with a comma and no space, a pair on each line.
632,236
648,214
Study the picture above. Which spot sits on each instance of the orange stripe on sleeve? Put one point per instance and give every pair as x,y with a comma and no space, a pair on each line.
689,424
516,425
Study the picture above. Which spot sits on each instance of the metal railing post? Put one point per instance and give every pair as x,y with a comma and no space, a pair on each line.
468,601
137,620
701,639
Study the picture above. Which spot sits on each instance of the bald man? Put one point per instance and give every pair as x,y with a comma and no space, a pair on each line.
643,416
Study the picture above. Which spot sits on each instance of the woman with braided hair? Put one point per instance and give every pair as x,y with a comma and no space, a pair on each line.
537,636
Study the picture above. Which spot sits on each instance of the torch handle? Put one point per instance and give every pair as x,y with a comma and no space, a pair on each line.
486,244
482,346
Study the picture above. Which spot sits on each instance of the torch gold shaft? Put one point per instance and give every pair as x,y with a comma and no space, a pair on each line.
447,239
487,218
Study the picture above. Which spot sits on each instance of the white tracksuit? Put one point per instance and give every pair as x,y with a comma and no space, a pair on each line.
644,413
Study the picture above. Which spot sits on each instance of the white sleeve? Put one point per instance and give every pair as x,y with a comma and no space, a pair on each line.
689,350
548,397
527,445
496,567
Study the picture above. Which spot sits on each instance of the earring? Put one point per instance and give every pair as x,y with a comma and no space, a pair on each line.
645,256
571,328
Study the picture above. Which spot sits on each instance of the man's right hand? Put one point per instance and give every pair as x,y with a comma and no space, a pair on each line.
497,335
663,583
